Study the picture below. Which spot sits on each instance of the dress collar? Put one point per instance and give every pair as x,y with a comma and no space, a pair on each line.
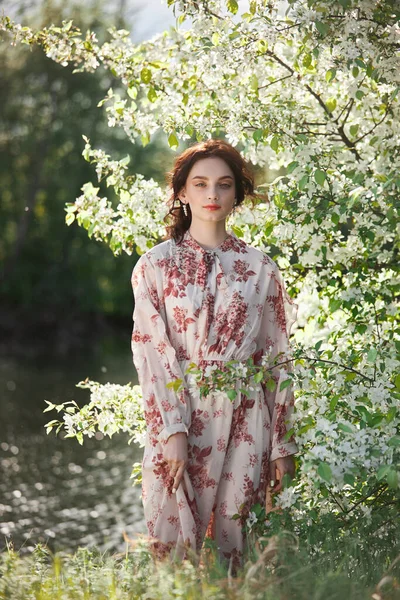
228,244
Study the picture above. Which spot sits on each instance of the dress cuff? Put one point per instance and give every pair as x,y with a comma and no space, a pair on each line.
283,450
170,430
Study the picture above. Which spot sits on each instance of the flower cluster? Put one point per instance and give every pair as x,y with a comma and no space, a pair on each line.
111,409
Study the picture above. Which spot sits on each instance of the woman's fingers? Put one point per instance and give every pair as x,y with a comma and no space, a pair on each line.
277,487
178,477
276,477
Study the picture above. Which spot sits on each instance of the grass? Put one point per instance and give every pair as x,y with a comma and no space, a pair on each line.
279,566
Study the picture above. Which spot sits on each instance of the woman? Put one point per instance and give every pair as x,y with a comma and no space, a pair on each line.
205,296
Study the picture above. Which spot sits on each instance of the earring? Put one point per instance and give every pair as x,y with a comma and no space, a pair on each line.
183,205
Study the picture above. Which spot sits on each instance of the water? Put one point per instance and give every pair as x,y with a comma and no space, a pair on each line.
53,490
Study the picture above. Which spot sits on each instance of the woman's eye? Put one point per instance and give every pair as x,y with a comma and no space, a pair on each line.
224,185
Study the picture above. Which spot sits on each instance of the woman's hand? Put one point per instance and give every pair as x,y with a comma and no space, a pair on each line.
176,455
278,468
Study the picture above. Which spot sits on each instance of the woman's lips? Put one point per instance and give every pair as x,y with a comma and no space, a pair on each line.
212,207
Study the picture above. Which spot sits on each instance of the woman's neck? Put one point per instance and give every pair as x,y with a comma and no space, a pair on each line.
208,237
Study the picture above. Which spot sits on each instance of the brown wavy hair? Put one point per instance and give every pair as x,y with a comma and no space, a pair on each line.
177,177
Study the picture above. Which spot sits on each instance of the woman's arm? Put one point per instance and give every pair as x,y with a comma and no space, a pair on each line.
273,338
166,411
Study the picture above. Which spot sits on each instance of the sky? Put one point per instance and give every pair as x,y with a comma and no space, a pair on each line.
146,17
155,16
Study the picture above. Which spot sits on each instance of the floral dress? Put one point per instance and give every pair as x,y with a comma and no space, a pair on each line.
209,307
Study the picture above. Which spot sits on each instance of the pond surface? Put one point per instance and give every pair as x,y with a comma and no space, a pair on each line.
53,490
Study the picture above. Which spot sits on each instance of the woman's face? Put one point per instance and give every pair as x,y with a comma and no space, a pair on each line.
210,182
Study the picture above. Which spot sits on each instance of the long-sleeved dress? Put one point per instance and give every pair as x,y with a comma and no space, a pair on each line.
208,307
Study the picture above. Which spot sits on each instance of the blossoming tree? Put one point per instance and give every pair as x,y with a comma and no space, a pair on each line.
311,88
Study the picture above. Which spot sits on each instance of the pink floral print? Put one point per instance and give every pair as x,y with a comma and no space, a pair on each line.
209,307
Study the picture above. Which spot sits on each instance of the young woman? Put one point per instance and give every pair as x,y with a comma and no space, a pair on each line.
203,295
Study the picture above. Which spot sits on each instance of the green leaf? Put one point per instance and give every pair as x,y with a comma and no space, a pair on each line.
334,304
349,479
270,384
91,229
372,354
303,182
392,479
253,81
331,74
152,94
394,441
320,177
291,166
345,428
70,218
289,434
119,106
382,472
331,104
335,218
258,134
286,383
322,28
232,6
145,138
397,382
350,375
173,141
361,328
231,395
132,92
274,143
354,129
334,401
258,376
145,75
86,153
307,60
175,385
324,471
215,38
52,423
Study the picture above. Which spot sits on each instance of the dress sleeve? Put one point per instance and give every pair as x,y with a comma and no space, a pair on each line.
166,411
279,314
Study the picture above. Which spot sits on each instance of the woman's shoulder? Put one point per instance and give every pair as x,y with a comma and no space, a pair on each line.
158,251
259,256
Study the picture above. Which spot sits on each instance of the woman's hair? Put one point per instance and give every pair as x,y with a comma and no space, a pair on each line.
244,181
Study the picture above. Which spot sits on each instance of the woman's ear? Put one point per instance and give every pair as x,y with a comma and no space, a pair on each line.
181,194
